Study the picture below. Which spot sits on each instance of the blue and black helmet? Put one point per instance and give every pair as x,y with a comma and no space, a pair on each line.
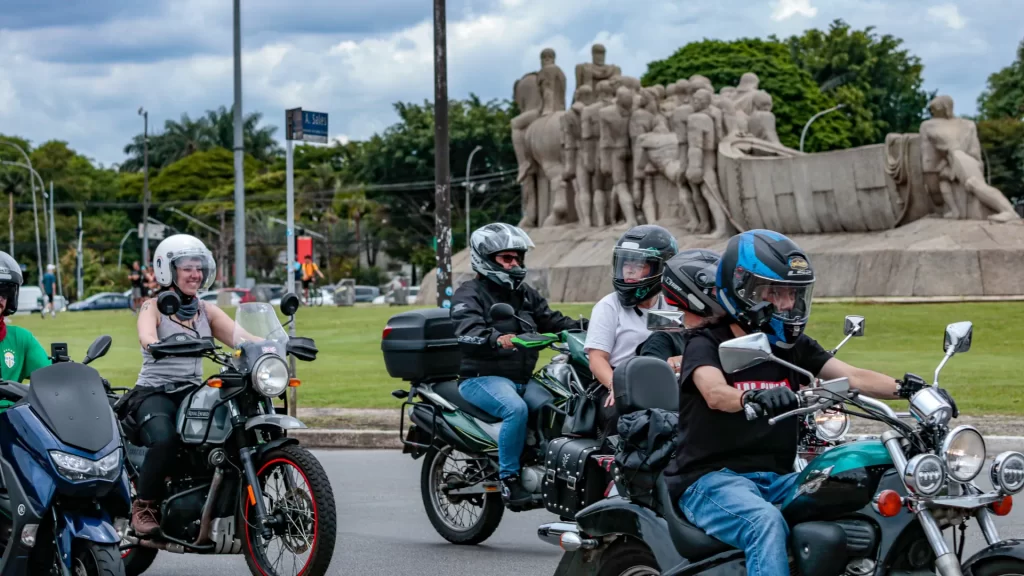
638,261
759,267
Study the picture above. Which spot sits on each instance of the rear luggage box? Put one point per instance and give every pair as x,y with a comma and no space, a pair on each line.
420,346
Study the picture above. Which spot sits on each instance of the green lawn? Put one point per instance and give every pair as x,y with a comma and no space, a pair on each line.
350,371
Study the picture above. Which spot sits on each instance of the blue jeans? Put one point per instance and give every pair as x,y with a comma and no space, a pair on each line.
739,510
501,398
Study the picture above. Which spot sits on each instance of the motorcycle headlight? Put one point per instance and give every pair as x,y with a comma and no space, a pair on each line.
76,468
924,474
1008,472
831,425
964,451
270,376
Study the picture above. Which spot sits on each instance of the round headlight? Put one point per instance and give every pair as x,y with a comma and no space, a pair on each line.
964,450
831,425
1008,472
270,376
924,474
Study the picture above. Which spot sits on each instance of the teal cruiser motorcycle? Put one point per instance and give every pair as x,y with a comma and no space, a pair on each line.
918,479
459,479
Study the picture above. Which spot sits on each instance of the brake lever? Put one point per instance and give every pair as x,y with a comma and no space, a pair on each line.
818,405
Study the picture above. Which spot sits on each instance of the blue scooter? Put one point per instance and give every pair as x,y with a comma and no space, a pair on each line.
62,463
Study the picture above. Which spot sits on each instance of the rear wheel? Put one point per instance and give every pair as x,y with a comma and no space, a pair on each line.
628,559
468,519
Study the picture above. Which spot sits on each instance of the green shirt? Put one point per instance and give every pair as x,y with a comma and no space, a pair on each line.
20,354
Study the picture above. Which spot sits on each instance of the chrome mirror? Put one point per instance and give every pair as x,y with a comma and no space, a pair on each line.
854,326
958,338
664,321
743,352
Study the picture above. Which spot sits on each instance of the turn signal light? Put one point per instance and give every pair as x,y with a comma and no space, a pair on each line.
1002,507
214,382
294,382
888,503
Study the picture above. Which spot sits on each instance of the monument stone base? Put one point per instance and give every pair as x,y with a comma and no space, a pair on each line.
928,258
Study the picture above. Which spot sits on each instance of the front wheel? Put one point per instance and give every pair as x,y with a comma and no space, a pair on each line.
468,519
93,559
301,516
998,567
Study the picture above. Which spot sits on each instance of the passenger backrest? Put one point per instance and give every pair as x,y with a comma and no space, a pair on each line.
644,382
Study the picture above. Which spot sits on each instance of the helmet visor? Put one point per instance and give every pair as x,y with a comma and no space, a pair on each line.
193,271
632,265
792,302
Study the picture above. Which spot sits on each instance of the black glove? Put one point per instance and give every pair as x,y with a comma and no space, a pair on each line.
773,401
910,385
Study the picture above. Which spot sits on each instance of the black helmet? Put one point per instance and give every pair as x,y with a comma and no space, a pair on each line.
491,239
10,282
640,246
761,268
689,282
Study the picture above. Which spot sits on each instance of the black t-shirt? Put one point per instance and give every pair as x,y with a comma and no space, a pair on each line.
136,278
663,345
711,439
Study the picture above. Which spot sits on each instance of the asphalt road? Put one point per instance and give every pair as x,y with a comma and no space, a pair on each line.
382,529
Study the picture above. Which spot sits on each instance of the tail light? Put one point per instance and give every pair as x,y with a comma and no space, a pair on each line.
387,330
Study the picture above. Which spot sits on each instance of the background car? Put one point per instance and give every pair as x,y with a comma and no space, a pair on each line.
102,301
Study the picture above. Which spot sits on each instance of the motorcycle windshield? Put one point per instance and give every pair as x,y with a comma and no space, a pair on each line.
69,398
258,322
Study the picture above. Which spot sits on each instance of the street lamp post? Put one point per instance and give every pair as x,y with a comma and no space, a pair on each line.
145,185
468,164
35,209
803,133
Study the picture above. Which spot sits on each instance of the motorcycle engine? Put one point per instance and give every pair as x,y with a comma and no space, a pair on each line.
184,512
532,477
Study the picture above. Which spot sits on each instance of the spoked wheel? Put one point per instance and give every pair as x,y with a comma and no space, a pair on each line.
468,519
301,516
92,559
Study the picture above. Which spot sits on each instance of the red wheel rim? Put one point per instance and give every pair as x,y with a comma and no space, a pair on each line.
316,516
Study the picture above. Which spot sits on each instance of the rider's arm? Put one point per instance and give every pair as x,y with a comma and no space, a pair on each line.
601,367
475,337
34,354
223,327
869,382
146,323
703,370
604,323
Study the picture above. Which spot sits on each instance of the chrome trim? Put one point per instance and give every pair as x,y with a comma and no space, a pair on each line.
988,525
552,533
878,404
949,440
971,502
910,479
927,406
935,381
891,440
997,469
946,562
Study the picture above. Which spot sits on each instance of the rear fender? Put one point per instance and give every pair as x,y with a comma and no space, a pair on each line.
1007,549
617,516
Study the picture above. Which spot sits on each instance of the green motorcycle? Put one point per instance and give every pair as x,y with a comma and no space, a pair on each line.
459,480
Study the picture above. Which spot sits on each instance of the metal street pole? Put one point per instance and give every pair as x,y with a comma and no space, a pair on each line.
442,178
803,132
468,164
289,237
53,234
78,271
239,148
120,249
35,210
145,186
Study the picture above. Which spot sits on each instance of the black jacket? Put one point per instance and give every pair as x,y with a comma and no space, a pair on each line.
478,335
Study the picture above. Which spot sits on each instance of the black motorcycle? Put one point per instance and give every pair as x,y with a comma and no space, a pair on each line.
241,485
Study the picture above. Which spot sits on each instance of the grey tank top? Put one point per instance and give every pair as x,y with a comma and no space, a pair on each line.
172,370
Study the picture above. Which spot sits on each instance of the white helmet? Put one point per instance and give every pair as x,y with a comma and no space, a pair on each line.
174,251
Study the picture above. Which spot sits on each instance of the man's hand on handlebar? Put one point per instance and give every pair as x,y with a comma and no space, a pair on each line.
773,401
505,341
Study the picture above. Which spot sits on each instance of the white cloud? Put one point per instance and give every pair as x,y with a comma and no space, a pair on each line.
948,14
785,9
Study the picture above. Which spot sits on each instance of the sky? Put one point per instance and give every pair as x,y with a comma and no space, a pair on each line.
78,70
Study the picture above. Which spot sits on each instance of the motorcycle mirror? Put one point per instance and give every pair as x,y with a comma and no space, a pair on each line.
502,311
838,386
289,303
743,352
958,338
665,321
168,303
97,349
854,326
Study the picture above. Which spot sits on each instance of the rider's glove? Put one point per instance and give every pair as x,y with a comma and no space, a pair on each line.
910,385
773,401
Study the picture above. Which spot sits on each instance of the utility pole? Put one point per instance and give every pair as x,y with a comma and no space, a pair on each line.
79,266
469,163
35,210
239,149
442,177
55,259
145,186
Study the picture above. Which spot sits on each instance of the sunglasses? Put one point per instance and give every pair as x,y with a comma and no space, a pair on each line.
508,259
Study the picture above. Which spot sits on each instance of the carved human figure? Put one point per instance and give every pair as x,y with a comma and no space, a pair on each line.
762,121
671,100
951,151
744,94
702,153
680,127
575,170
591,179
551,81
614,146
728,92
733,122
590,73
527,96
699,81
684,91
644,118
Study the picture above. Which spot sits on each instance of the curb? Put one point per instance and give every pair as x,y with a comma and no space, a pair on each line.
389,440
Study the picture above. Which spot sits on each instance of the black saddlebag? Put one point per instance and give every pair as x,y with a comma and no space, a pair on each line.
575,475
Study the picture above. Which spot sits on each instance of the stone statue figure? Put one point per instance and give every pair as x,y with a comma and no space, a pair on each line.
951,154
762,121
670,102
572,141
590,73
728,92
591,179
684,91
734,122
614,147
698,81
744,94
680,127
701,170
526,94
551,81
644,118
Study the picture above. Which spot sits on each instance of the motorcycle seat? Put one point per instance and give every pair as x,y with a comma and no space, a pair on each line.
449,390
691,542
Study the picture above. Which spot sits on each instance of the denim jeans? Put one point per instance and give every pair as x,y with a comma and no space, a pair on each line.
501,398
740,510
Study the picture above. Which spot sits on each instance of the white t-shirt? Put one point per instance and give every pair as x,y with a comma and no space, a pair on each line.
618,330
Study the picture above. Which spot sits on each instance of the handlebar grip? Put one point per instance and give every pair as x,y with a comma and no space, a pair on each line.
753,411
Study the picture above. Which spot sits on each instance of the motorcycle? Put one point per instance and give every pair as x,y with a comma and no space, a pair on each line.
459,478
241,485
61,458
917,478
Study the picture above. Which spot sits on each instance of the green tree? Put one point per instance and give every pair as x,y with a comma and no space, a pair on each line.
879,81
191,178
795,95
1003,96
1001,126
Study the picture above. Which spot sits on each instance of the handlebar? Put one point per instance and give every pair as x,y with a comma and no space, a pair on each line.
826,395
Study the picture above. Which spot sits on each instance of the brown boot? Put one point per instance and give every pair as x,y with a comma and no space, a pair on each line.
144,519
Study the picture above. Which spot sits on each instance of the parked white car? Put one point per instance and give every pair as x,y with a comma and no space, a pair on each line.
30,300
389,297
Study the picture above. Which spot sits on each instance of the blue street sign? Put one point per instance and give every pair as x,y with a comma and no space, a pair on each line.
306,126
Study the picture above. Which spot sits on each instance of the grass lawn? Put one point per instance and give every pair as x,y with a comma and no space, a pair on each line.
350,371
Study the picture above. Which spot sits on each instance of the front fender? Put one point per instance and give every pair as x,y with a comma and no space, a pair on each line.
618,516
275,443
91,528
281,421
1012,549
